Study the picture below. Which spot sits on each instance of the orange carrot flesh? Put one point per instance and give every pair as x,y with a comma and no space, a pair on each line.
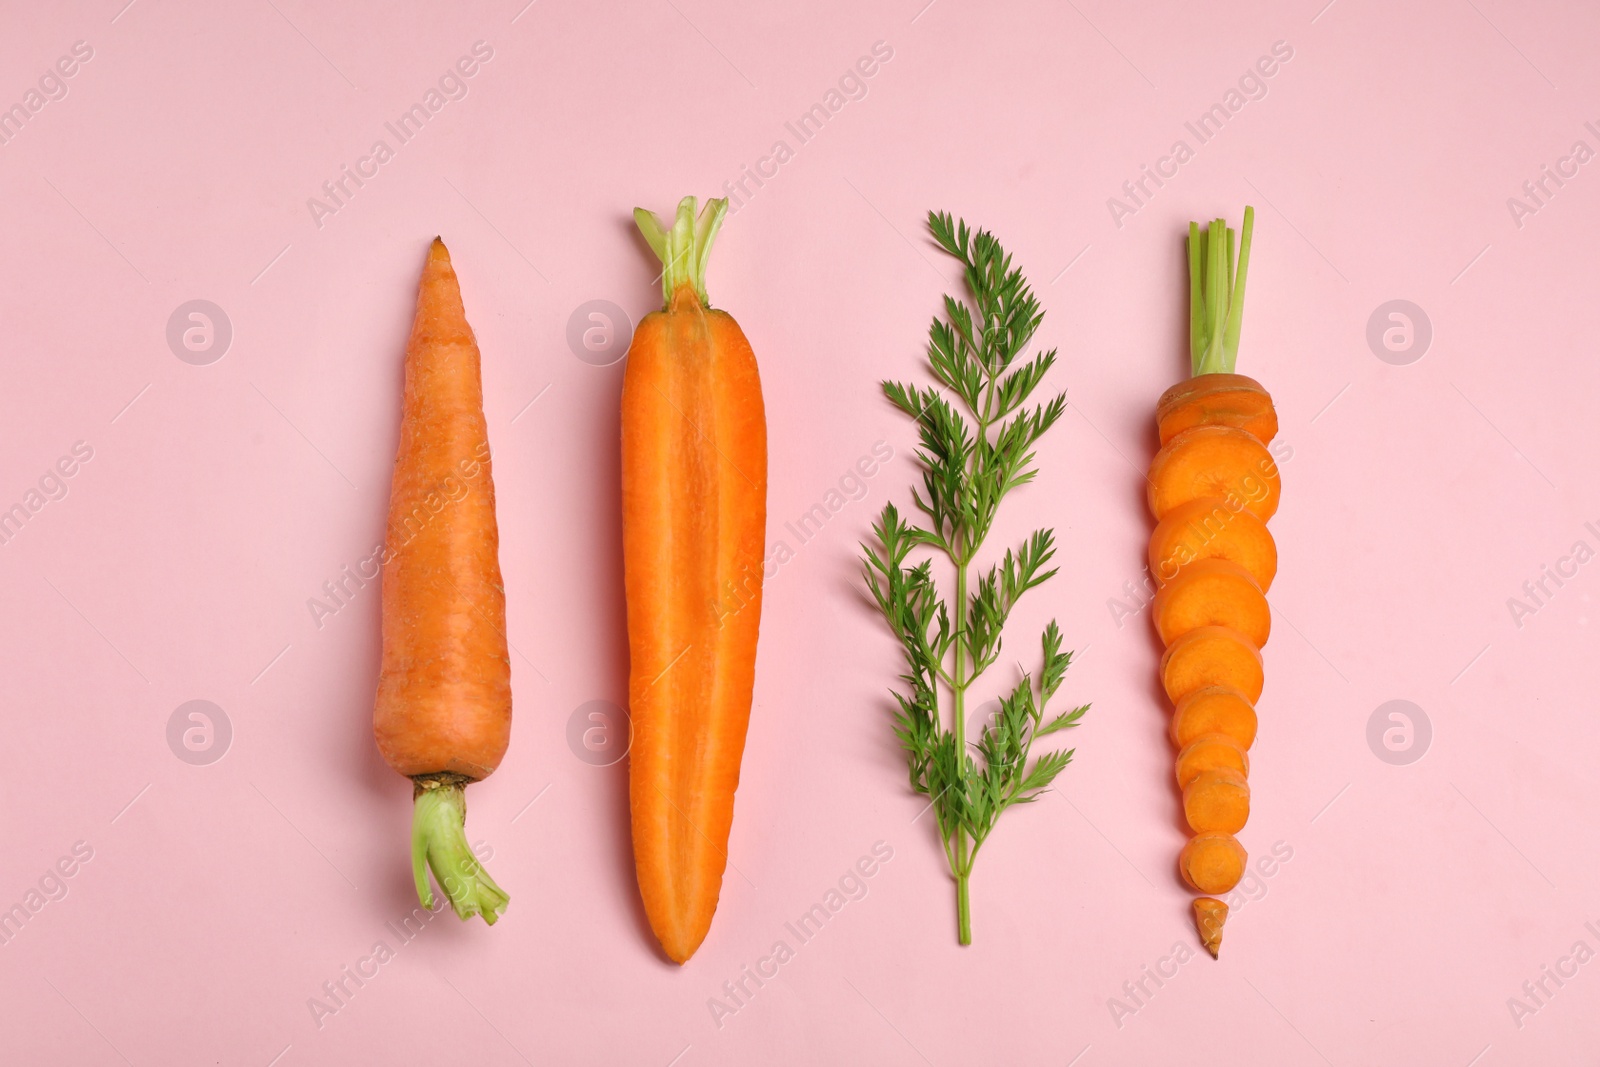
694,480
1212,592
1212,655
1217,400
1212,862
1214,709
1209,529
1214,461
1217,801
1209,752
443,709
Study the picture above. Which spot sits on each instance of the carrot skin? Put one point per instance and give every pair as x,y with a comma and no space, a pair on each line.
443,711
694,478
444,690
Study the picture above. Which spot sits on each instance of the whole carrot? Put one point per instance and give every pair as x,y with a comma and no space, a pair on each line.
443,715
694,507
1212,488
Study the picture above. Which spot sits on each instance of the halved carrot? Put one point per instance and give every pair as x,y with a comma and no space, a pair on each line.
1220,399
1217,801
443,713
1209,915
1212,862
694,506
1214,461
1212,592
1212,655
1215,709
1209,529
1208,752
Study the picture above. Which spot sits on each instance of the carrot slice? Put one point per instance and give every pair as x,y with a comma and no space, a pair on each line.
1217,801
1209,529
443,711
1212,655
1212,862
1209,915
1217,400
1215,709
1207,753
1214,461
1212,592
694,492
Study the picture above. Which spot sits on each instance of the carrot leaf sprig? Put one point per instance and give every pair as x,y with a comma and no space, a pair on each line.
1216,293
973,451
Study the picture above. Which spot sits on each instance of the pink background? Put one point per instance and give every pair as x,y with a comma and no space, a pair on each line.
219,498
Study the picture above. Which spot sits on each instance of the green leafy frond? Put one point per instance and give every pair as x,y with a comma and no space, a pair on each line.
977,428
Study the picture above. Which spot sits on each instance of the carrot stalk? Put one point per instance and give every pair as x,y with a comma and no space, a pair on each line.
1216,293
439,843
694,484
443,710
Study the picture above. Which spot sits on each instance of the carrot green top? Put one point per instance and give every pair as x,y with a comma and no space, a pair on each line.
685,249
1216,294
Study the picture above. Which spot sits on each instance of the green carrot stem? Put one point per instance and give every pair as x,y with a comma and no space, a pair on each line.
1216,293
685,249
439,843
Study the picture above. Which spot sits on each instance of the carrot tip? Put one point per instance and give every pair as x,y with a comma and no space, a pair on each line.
439,843
1209,915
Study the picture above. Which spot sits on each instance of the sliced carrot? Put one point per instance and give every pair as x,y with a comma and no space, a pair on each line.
1217,801
1209,529
1217,400
1215,709
1209,915
694,485
1214,461
1212,592
1212,862
1212,488
1208,752
1212,655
